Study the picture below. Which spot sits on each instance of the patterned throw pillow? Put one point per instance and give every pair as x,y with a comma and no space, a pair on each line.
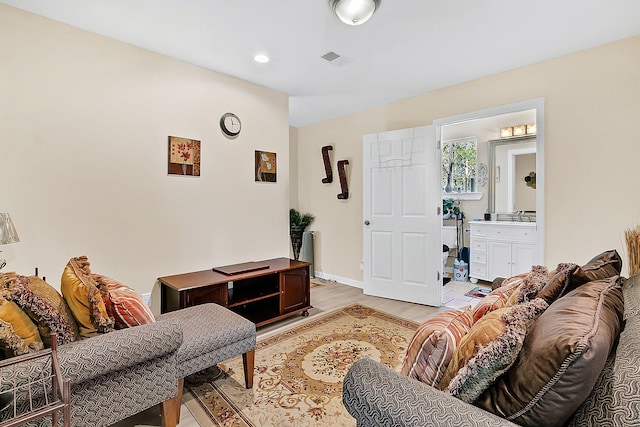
44,305
530,286
561,359
18,334
434,343
81,293
498,297
123,303
489,349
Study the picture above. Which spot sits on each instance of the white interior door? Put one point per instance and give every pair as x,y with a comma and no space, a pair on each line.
402,225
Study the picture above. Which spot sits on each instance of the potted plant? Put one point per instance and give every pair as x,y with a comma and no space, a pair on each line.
297,224
451,209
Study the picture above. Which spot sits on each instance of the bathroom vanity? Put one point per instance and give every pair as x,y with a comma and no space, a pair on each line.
501,249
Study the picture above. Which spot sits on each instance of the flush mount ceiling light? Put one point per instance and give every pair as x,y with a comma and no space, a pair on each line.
354,12
262,59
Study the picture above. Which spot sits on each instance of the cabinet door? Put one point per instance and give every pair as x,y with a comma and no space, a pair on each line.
216,294
499,259
522,257
294,290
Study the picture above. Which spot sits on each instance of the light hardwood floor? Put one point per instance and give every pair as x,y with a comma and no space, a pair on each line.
325,298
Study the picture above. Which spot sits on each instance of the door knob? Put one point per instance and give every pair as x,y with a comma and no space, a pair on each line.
367,222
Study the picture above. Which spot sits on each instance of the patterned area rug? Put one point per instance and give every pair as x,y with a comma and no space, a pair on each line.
299,372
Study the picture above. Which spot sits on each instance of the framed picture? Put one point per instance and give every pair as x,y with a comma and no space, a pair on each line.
184,156
265,166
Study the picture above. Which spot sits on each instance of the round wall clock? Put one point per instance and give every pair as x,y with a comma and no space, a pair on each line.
230,124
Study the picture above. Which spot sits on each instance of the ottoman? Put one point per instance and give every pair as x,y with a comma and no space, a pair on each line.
211,334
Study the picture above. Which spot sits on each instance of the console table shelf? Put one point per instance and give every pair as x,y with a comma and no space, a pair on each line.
263,292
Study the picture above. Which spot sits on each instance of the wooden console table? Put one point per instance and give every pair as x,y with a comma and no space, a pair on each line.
263,292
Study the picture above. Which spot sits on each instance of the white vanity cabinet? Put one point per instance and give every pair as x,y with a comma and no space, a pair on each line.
501,249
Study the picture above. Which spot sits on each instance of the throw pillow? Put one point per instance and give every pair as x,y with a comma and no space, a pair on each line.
561,359
45,306
81,293
489,349
123,303
559,284
434,343
498,297
530,286
603,266
18,334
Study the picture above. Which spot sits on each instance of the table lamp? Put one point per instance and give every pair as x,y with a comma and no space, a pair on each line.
8,233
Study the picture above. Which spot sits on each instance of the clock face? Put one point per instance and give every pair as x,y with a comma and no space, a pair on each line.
230,124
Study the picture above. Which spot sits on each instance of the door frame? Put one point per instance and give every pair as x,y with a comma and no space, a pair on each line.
532,104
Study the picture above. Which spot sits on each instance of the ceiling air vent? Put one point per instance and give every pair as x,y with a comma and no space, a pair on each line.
330,56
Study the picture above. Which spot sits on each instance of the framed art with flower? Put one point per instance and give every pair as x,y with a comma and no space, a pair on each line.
184,156
265,170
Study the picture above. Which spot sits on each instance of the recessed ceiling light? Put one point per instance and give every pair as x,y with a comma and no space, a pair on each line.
263,59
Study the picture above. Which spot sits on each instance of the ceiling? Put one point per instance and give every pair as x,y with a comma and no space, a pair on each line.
408,48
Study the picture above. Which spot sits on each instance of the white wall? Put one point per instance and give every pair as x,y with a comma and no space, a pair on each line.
84,122
591,152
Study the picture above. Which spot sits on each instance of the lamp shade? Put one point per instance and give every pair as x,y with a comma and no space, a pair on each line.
8,232
354,12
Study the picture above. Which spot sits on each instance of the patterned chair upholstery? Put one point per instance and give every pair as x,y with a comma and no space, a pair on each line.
212,334
377,396
114,375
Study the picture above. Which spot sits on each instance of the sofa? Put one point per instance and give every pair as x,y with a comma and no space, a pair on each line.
376,395
118,358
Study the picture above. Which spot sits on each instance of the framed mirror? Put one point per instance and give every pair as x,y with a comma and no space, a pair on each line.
512,175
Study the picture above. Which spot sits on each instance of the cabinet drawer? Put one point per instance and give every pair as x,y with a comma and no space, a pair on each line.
478,271
516,234
478,230
478,256
478,245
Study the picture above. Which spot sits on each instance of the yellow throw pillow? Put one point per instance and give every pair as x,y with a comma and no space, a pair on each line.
18,334
83,297
44,305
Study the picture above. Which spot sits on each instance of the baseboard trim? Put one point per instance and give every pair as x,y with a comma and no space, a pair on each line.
343,280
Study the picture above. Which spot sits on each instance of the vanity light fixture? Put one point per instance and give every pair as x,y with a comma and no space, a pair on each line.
506,132
531,129
354,12
519,130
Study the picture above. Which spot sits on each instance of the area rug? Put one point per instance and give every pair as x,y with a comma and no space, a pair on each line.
299,372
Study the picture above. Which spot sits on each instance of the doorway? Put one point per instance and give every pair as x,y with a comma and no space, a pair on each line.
470,124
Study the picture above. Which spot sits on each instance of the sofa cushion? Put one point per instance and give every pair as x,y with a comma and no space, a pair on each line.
18,334
530,286
561,359
433,344
45,306
489,349
81,293
123,303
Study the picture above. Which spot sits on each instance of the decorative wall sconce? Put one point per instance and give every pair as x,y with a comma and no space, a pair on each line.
531,180
327,164
342,173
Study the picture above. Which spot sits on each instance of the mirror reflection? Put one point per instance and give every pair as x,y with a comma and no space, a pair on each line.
512,175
